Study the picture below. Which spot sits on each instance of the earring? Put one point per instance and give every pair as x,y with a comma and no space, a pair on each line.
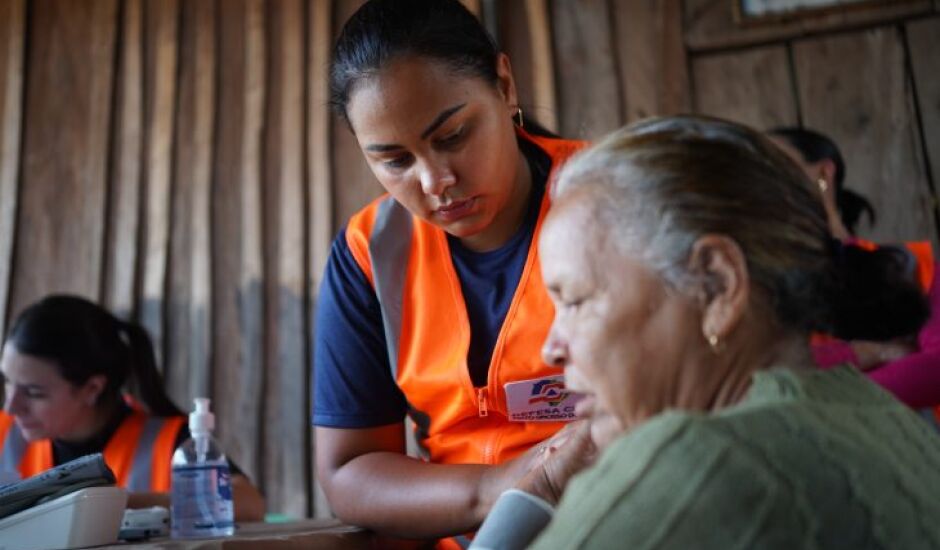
713,342
823,184
517,118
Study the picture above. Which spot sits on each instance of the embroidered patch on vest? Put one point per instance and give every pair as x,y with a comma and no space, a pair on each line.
540,400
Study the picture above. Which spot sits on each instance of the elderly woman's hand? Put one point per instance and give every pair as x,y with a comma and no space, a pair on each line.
558,459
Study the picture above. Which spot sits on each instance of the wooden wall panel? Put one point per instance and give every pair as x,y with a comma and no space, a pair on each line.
237,292
65,149
320,190
160,55
525,35
286,426
543,70
923,38
855,88
124,189
710,24
189,292
514,38
353,183
749,86
586,69
12,32
651,57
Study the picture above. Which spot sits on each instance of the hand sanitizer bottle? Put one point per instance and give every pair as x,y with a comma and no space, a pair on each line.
201,498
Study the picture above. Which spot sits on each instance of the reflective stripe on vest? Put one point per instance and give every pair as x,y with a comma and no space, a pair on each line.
14,446
138,452
407,261
389,246
142,467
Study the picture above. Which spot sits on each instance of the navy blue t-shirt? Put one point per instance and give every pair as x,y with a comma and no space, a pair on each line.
352,379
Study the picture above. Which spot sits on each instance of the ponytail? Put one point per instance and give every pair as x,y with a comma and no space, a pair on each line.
144,383
851,206
875,295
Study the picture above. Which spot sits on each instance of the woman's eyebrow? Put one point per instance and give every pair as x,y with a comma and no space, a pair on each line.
441,119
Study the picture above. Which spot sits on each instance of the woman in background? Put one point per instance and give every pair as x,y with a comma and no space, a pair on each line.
66,366
908,366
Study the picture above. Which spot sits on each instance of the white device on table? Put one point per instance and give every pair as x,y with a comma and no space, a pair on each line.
144,523
87,517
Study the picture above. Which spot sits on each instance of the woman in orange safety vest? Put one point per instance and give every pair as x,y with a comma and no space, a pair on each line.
65,363
432,305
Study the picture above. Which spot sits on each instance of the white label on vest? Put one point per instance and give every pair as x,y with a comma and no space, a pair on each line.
540,400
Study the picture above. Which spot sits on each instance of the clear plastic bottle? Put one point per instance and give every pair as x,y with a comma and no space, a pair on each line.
201,498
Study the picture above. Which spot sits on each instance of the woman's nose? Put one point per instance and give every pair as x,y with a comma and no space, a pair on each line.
436,177
554,351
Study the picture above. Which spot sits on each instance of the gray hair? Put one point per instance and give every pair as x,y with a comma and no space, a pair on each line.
661,184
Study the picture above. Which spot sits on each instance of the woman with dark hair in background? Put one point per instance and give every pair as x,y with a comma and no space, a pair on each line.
689,260
71,372
822,161
908,366
432,305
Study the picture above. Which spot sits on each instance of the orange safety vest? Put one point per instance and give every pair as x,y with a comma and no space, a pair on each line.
408,263
138,453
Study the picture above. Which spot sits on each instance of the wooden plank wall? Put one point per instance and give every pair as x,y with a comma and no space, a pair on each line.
176,159
865,77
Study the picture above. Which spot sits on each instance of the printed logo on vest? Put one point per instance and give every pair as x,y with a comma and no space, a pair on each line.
540,400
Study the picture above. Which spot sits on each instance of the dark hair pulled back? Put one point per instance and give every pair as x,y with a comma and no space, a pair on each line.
664,183
83,340
814,147
381,31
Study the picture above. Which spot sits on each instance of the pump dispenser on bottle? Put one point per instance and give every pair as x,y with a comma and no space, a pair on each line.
201,498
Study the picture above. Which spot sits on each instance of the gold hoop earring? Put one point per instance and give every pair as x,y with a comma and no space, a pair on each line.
823,184
517,118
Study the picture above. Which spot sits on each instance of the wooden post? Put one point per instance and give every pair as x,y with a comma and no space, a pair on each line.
120,273
543,68
287,416
12,31
161,54
320,190
589,88
189,311
67,115
923,40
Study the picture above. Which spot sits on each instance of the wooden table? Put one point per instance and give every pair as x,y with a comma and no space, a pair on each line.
326,534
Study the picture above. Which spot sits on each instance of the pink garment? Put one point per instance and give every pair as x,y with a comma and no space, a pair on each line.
914,379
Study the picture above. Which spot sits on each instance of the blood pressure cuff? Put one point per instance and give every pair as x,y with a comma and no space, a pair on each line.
87,471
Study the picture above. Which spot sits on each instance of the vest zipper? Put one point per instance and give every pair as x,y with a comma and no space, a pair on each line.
481,401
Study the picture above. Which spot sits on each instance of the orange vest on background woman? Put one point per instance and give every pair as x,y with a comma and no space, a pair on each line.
408,263
139,451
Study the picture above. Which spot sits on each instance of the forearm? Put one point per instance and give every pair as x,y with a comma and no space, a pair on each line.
401,496
249,503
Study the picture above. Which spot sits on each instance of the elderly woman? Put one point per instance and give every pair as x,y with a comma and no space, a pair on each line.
688,260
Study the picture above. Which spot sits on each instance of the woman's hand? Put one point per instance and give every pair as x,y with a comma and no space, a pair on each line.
558,459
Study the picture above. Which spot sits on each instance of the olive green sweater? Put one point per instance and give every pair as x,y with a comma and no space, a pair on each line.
810,459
